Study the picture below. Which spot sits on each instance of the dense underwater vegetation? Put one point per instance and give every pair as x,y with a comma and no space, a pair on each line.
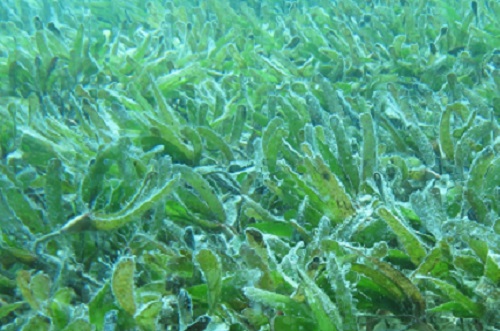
249,165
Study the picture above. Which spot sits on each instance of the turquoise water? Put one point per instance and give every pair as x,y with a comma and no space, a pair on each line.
249,165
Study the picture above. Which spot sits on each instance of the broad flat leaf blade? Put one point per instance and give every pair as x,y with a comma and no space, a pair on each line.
212,270
409,240
324,310
122,284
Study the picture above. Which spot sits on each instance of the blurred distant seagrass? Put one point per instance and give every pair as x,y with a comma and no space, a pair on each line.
249,165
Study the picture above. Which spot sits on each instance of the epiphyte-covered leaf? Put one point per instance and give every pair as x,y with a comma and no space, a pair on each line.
150,193
144,199
474,137
212,270
170,82
6,309
172,141
492,267
204,190
324,310
412,244
390,286
9,255
271,141
37,323
424,148
148,315
164,111
479,168
40,285
8,130
468,307
34,289
238,125
94,180
281,302
37,150
336,202
343,294
216,142
21,213
75,65
53,192
414,300
445,136
152,190
369,158
437,261
346,156
122,284
256,241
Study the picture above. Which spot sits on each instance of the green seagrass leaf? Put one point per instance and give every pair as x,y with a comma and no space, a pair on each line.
122,284
211,267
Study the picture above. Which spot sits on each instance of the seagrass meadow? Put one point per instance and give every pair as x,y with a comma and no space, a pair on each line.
249,165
